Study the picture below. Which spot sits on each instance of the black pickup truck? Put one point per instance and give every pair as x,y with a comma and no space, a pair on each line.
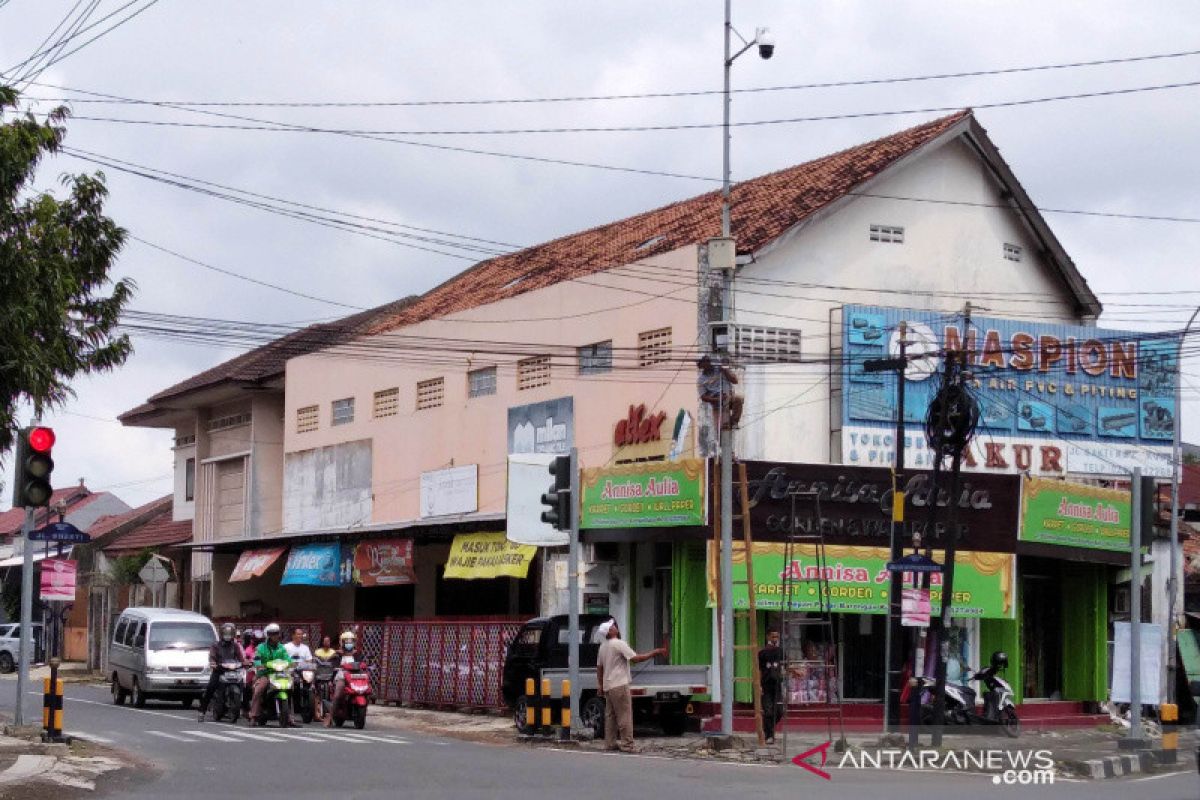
660,692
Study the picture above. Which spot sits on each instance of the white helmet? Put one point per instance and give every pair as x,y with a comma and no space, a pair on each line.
272,628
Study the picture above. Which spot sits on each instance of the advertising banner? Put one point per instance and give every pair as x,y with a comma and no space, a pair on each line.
450,491
384,562
649,495
528,478
253,563
487,555
915,608
546,427
1150,671
1074,515
859,580
1054,398
58,580
319,564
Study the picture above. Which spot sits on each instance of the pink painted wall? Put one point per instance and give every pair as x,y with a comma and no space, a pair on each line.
466,430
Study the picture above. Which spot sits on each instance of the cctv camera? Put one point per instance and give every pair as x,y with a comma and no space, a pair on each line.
766,43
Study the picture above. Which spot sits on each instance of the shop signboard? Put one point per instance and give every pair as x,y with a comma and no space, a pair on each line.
487,555
318,564
853,505
454,490
859,580
545,427
1074,515
649,495
58,580
253,563
1054,398
384,562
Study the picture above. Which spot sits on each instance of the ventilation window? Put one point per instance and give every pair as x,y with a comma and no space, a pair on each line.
306,419
595,358
758,344
654,347
887,233
533,372
430,393
343,411
481,382
387,402
184,441
1012,252
231,421
653,240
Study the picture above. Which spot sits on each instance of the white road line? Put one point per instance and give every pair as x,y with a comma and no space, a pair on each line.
376,737
91,737
174,736
260,737
180,716
300,737
214,736
337,737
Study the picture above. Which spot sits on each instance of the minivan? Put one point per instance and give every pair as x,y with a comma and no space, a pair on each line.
160,653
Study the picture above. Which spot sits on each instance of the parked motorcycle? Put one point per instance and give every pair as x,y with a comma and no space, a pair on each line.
355,697
303,691
228,697
998,705
277,701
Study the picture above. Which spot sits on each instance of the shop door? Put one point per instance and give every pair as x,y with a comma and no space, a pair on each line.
863,638
662,605
1041,635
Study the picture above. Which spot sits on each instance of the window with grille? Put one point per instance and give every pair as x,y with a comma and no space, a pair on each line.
343,411
758,344
430,393
1012,252
887,233
595,358
654,347
387,402
184,441
481,382
306,419
533,372
231,421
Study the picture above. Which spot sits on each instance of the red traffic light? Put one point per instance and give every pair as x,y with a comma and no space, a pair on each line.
41,439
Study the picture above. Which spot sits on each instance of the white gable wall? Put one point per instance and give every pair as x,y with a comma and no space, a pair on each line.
953,252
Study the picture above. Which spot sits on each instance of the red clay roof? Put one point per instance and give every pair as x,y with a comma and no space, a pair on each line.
146,526
107,524
74,497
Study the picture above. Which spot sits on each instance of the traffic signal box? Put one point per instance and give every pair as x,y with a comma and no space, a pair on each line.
31,486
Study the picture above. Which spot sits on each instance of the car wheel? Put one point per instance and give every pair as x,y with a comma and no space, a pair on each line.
139,697
119,695
592,715
6,662
187,702
673,721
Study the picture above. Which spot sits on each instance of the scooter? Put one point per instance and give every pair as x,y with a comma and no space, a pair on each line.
355,696
228,697
998,706
303,695
323,677
277,701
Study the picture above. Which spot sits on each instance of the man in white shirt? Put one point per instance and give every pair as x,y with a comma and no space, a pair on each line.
296,649
613,679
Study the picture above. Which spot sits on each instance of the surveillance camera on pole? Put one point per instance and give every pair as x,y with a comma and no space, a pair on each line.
766,42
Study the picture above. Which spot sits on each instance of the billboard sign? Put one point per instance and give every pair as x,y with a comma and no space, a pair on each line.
454,490
546,427
650,495
1054,398
58,580
1074,515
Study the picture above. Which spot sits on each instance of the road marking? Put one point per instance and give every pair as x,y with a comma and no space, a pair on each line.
300,737
376,737
261,737
174,736
122,708
337,737
91,737
207,735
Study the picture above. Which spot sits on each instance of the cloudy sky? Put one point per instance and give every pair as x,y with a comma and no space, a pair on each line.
1131,153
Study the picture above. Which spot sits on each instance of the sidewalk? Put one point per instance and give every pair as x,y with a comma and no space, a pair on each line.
27,762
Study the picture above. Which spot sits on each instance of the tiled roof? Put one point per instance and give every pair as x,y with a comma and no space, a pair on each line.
762,209
106,525
72,498
269,361
146,526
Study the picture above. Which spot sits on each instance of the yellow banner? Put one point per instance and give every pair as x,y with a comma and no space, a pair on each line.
488,555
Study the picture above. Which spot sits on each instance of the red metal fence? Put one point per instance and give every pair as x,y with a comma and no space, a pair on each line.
435,662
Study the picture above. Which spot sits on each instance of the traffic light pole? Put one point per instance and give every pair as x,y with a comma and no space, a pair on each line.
573,589
26,616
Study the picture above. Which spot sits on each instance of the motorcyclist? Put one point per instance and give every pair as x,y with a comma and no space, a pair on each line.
270,650
224,650
297,650
344,660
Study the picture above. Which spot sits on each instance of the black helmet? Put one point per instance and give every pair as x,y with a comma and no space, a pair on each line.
1000,659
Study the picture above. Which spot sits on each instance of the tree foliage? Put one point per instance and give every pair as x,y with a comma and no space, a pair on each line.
59,309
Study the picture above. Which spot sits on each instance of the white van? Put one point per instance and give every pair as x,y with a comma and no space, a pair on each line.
160,653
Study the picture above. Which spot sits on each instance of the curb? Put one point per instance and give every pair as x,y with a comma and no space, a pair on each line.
1118,766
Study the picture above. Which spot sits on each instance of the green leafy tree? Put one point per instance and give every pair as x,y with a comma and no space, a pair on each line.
59,309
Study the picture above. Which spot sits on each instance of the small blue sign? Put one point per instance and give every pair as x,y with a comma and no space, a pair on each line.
914,562
59,532
314,565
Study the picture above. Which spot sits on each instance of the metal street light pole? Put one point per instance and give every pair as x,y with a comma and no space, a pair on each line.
1176,468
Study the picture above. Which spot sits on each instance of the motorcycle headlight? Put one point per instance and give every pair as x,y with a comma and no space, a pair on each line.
307,675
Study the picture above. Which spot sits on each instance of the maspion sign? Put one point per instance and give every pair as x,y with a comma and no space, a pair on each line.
650,495
852,505
1074,515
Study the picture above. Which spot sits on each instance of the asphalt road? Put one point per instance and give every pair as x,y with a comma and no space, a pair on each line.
176,756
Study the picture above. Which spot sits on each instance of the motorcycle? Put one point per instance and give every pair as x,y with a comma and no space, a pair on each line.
303,691
355,696
323,677
998,705
277,701
228,697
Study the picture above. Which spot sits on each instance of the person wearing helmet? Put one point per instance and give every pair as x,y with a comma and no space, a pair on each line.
345,658
270,650
224,650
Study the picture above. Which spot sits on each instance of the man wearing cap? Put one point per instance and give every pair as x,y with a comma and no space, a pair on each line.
612,680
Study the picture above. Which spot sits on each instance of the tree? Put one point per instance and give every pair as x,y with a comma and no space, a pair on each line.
59,310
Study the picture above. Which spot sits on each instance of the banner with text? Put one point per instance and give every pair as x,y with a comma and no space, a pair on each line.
859,581
1074,515
384,562
649,495
488,555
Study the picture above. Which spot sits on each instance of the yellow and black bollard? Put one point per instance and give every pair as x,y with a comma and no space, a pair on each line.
530,706
1168,716
564,730
52,705
547,707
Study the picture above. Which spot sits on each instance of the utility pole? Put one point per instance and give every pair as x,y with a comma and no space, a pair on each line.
573,589
1176,469
1134,740
26,617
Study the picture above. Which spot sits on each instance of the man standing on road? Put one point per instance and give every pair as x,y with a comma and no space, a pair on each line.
612,681
770,674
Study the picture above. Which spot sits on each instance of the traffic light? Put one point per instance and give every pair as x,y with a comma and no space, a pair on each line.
34,465
558,498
